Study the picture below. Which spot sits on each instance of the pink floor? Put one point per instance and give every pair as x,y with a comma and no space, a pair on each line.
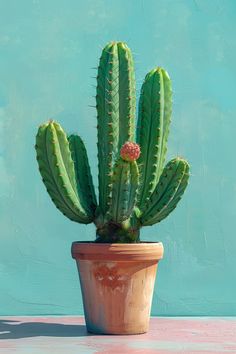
57,335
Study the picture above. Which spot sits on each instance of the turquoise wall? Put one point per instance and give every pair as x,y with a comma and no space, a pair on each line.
47,50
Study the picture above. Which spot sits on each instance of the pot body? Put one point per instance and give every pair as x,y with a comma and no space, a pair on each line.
117,283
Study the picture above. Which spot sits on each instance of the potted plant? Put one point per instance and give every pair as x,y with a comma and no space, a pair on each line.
117,271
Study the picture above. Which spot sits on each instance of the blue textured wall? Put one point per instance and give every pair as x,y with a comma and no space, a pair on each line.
47,50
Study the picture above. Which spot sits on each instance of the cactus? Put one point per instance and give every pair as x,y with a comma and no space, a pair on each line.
136,188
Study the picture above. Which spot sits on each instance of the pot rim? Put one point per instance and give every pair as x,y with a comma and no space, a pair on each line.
142,251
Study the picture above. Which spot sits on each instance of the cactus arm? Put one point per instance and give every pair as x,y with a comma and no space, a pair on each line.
168,192
57,171
124,189
85,187
115,112
167,111
152,130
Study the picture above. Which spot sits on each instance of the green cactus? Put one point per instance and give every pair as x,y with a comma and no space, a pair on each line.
132,194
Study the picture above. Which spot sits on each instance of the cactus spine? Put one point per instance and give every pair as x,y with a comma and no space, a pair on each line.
132,193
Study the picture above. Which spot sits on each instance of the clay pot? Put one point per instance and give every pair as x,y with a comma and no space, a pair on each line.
117,282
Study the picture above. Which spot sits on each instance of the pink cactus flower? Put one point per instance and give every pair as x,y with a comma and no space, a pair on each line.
130,151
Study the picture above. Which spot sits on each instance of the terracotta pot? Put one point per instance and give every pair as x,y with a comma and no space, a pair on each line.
117,282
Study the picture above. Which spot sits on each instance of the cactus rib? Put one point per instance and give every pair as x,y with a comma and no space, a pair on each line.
168,192
57,171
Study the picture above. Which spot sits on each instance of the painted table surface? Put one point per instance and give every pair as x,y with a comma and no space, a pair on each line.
54,334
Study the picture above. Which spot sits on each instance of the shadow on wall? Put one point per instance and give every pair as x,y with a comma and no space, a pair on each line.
16,330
